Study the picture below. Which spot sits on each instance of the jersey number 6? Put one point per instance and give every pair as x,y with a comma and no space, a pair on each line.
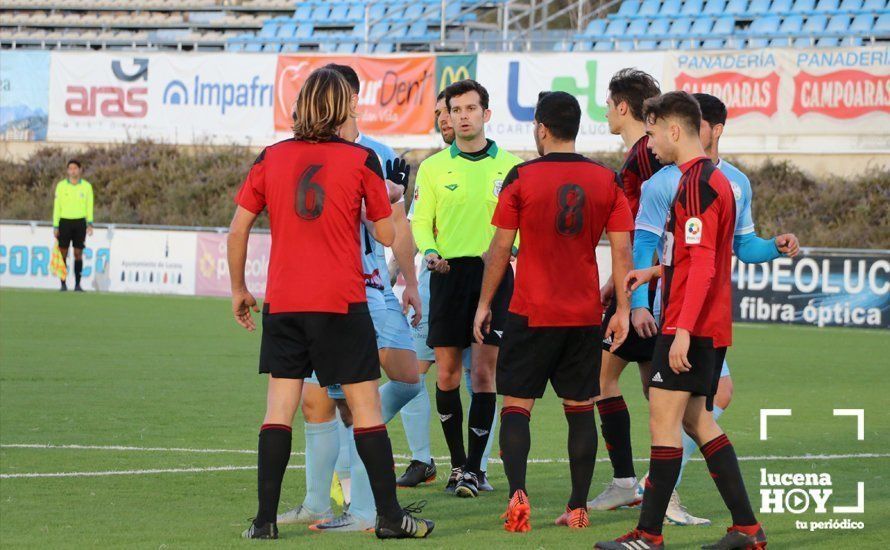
570,216
309,198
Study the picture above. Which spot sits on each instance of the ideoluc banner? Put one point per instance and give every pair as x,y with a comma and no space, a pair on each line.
514,81
397,96
820,287
793,93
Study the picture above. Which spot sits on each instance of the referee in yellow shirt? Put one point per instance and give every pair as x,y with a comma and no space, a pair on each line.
458,191
73,217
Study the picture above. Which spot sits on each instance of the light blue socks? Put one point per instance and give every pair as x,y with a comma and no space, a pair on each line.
322,446
416,420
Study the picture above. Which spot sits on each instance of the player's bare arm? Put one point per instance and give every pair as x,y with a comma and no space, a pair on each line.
622,262
498,261
639,277
403,252
242,300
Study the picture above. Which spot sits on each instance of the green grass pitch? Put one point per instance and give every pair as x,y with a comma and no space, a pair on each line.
165,376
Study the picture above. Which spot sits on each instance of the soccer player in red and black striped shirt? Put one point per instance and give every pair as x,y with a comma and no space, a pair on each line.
560,202
628,89
696,329
313,187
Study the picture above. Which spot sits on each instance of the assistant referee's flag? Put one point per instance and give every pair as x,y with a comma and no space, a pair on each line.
57,265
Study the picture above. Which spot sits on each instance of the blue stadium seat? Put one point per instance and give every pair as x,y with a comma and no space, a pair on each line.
736,7
724,26
596,27
691,7
680,27
253,47
713,44
791,25
417,30
658,27
604,46
862,23
781,6
303,13
670,8
616,28
273,47
784,42
328,47
378,30
815,24
882,25
649,7
838,24
851,5
452,10
701,26
356,13
714,7
376,11
583,46
290,47
414,11
761,26
345,47
287,29
395,13
304,31
629,7
874,5
637,28
758,7
803,6
827,5
321,12
339,10
827,42
235,46
269,30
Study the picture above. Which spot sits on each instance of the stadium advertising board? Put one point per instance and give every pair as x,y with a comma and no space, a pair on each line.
26,251
212,265
398,93
154,262
793,92
451,68
24,94
171,97
514,81
820,287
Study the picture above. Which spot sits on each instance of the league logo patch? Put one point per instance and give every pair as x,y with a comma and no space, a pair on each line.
693,231
736,190
416,192
498,185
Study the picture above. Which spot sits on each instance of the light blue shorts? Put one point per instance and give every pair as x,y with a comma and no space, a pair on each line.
393,331
423,351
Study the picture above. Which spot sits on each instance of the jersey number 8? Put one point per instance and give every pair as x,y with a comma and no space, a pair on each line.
570,216
309,198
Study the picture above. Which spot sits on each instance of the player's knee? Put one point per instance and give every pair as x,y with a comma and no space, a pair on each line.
724,393
449,378
345,412
78,254
317,412
691,428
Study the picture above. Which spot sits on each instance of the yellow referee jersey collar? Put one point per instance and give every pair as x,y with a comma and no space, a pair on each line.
491,151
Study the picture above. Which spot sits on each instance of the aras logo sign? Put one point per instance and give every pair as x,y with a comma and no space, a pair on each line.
741,93
112,101
841,94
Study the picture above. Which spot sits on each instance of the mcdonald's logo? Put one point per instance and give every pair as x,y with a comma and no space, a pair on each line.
452,74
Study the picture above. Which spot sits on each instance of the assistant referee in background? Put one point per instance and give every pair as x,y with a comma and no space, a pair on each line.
73,217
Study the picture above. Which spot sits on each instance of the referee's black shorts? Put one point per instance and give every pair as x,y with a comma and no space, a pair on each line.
635,348
72,232
454,297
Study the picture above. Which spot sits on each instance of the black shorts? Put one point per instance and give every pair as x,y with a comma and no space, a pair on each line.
454,297
569,357
635,348
706,361
341,348
72,232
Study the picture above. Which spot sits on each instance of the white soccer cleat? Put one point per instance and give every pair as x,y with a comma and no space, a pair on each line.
304,515
677,514
614,497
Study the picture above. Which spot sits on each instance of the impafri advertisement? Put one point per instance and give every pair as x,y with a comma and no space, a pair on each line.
820,288
24,94
514,81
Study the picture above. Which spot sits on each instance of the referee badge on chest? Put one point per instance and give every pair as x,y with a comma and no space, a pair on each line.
498,185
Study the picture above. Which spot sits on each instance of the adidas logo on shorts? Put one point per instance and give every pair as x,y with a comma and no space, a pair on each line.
657,377
500,333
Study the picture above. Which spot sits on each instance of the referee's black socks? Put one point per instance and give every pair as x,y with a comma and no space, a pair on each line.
479,424
274,452
78,269
451,414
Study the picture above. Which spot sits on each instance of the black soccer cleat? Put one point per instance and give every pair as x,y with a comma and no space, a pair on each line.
264,531
418,473
408,527
78,288
64,286
484,484
456,475
735,539
468,487
635,540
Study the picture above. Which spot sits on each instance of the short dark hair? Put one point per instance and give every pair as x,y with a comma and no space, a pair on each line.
712,109
348,73
680,105
633,87
74,162
441,96
462,87
560,113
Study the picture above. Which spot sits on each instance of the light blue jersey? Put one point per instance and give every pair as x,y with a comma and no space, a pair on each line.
377,284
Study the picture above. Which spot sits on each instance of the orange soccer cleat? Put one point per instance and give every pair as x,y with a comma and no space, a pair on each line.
516,518
574,519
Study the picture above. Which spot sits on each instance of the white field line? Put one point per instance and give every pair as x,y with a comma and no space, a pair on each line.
818,457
